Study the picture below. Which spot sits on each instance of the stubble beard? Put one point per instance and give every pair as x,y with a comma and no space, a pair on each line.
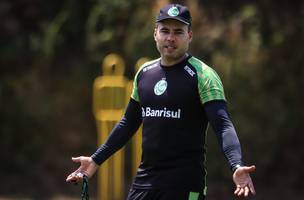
173,57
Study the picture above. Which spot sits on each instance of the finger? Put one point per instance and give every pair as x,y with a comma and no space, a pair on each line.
79,175
241,192
74,172
74,177
71,178
237,190
251,188
74,180
246,191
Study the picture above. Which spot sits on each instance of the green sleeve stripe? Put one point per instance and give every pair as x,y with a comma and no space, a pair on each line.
193,196
209,83
205,190
134,94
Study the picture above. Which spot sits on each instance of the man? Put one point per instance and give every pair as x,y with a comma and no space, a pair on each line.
175,97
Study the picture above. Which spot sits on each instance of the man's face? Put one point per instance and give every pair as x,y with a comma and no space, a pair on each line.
172,39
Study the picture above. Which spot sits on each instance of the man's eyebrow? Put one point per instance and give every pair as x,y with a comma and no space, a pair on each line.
175,29
178,29
164,28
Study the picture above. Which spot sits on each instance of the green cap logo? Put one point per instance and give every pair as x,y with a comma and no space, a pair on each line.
173,12
160,87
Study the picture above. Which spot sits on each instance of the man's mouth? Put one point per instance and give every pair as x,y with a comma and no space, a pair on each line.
170,47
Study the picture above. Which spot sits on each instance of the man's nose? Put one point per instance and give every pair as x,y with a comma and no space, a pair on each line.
170,37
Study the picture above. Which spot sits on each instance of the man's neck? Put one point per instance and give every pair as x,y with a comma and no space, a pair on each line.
171,62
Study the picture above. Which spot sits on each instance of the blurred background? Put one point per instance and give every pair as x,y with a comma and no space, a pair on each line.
52,51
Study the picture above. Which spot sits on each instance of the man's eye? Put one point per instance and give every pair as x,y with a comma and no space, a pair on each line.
164,31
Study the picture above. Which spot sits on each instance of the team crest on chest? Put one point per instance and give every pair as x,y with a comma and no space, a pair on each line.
160,87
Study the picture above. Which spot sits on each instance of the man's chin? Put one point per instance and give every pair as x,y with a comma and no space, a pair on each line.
170,55
173,56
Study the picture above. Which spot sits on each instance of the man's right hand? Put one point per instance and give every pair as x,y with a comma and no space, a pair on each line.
87,167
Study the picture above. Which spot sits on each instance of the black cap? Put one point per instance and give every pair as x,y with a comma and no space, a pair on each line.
175,11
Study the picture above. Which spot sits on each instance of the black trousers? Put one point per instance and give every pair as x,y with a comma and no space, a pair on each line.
155,194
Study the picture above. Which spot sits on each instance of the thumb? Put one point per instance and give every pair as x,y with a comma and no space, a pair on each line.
76,159
250,168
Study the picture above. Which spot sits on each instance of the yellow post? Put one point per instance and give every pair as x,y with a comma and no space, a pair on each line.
109,101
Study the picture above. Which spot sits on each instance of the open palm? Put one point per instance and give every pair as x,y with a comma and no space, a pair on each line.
243,182
87,167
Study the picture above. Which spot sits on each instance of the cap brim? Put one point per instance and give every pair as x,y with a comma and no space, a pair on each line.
175,18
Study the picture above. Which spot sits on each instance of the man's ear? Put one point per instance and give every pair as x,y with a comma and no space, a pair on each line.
190,34
155,31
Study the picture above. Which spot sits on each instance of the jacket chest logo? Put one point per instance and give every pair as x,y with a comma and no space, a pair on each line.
160,87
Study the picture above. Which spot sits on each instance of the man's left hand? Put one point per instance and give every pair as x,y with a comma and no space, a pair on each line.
243,182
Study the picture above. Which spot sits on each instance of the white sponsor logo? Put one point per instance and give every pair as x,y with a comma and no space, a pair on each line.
160,87
149,112
192,73
150,67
